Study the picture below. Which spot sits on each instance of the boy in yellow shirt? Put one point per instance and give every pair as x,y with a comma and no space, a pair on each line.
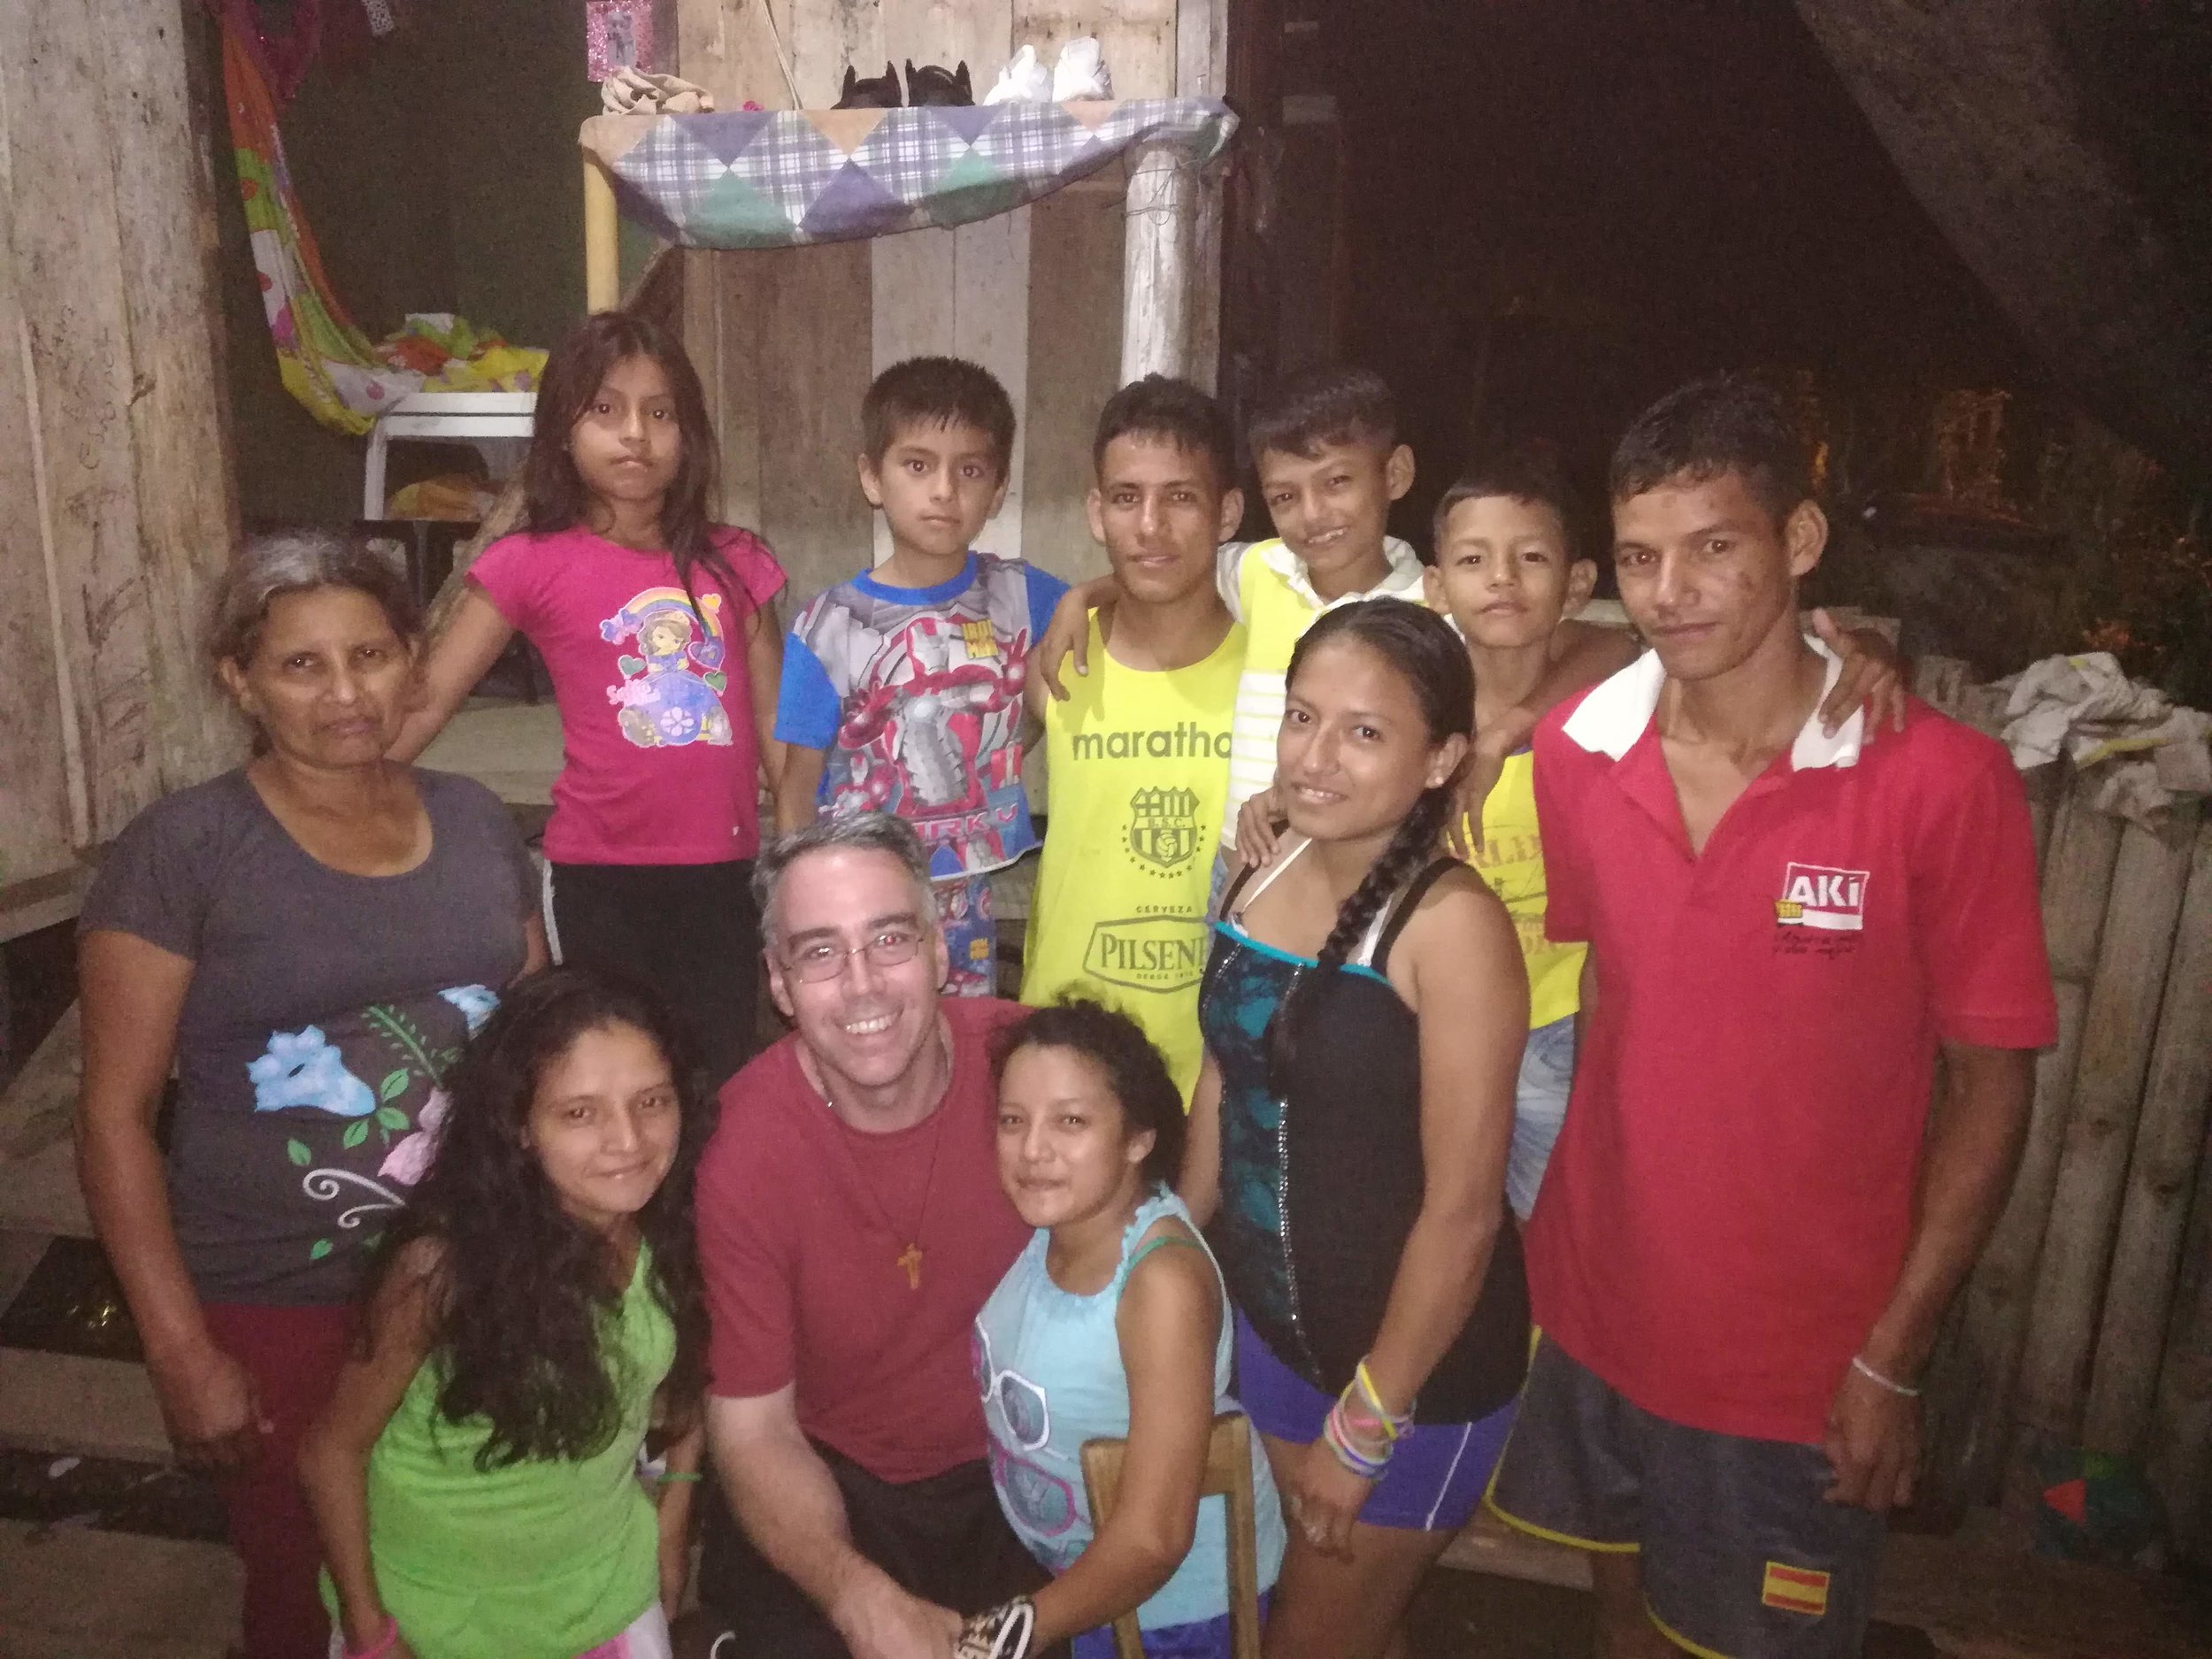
1508,576
1137,775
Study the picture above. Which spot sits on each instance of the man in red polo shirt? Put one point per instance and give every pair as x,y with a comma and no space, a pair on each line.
1754,1217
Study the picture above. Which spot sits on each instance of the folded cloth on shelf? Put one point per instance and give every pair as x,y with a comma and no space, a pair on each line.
1081,71
633,92
2085,707
1022,79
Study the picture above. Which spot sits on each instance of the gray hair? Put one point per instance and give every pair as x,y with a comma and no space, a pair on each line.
283,562
863,832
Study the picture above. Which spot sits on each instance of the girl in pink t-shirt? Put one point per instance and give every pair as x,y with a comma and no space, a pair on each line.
659,628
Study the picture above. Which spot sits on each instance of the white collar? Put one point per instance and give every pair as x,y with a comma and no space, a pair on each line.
1404,577
1618,711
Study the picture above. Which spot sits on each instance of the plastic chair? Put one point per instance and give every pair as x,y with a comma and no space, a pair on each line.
1228,1475
496,424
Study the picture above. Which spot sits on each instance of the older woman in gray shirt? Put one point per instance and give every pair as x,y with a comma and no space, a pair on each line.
307,941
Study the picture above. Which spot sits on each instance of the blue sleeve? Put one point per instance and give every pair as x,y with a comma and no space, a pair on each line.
1045,589
807,705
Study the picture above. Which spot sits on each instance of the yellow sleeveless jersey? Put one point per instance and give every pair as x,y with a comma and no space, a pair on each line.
1137,777
1267,589
1510,861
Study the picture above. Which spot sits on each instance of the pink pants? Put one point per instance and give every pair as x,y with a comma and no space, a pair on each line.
646,1639
293,1355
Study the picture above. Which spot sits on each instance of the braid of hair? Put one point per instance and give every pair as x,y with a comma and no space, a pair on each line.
1409,851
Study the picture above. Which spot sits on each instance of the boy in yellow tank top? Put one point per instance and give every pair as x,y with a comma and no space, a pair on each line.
1507,575
1137,756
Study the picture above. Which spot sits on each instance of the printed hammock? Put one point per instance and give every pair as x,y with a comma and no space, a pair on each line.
775,179
325,359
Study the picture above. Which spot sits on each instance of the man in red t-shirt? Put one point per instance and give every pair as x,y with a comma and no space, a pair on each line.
1755,1218
851,1227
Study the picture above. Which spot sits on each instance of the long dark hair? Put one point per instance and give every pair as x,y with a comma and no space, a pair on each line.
1420,646
523,1290
554,495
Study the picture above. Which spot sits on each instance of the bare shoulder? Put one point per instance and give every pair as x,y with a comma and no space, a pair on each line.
1459,916
1176,1279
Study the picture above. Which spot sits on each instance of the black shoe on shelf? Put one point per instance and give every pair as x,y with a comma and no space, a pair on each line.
877,92
933,83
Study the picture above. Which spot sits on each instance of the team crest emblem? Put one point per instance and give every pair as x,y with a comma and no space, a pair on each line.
1163,826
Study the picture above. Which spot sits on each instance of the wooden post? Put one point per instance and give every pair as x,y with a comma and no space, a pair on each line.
2047,787
110,381
2161,1177
2139,938
2181,1429
602,241
1994,1317
1157,252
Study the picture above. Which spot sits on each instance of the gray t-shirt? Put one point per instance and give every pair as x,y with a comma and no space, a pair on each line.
323,1012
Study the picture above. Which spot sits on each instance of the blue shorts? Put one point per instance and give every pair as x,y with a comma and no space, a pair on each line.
1202,1639
1742,1555
1437,1475
1539,1108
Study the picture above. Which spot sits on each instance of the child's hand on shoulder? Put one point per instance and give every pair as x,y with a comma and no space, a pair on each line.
1258,828
1486,764
1873,676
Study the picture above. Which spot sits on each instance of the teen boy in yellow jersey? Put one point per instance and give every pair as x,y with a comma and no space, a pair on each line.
1137,775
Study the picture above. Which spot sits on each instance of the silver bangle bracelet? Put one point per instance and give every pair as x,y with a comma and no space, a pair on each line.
1859,1364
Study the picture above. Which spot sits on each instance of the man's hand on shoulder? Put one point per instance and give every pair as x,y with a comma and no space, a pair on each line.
879,1620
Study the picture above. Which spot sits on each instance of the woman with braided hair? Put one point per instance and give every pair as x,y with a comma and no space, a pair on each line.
1363,1008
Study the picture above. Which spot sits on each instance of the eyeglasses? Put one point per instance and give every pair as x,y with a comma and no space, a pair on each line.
820,961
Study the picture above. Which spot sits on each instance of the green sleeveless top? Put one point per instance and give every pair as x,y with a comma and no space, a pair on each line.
540,1559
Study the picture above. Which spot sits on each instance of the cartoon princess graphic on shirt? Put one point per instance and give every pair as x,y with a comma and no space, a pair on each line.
671,692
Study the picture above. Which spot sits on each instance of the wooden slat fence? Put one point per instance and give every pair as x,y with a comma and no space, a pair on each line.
2088,1321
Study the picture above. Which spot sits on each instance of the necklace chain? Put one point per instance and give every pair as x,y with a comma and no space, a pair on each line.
909,1257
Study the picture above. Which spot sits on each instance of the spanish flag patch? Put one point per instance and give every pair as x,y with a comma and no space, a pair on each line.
1796,1589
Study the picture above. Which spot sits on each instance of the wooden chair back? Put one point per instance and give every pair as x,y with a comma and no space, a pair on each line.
1228,1475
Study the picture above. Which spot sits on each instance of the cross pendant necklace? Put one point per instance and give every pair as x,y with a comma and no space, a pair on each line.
909,1260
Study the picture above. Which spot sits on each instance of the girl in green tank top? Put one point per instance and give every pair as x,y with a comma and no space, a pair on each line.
475,1478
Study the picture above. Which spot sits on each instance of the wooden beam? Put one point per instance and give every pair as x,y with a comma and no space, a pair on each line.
602,241
110,225
2162,1178
2130,976
1157,252
1074,304
1998,1297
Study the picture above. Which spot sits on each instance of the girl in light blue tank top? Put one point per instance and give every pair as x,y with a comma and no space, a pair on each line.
1113,1323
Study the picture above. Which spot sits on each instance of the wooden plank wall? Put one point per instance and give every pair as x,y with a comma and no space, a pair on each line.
788,342
113,458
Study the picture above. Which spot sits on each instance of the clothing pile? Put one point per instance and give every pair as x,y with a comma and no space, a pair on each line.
2085,707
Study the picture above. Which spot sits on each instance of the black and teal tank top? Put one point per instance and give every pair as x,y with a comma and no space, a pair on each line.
1320,1185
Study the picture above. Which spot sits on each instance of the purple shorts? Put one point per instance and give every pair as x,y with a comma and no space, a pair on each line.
1207,1639
1437,1475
